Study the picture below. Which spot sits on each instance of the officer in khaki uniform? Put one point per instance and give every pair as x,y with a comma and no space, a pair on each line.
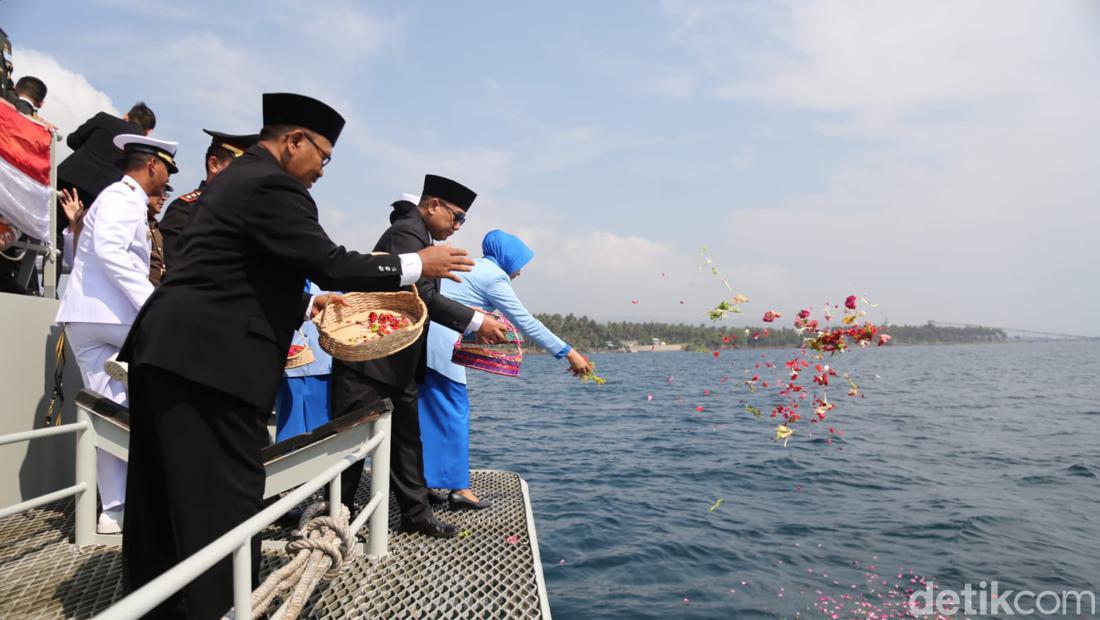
223,149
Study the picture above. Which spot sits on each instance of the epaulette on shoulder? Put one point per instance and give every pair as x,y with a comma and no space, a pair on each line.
191,196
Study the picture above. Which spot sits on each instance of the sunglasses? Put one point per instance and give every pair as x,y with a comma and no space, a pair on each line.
458,215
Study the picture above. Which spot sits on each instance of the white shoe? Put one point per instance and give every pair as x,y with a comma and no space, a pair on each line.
117,370
110,521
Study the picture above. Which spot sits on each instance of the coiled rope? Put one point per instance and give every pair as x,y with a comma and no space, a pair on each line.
324,549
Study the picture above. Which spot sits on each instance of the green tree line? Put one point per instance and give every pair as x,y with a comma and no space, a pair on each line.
589,335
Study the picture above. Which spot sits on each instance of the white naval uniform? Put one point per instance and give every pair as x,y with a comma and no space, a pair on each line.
108,285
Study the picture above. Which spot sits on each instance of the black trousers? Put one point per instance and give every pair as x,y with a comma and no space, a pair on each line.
194,474
350,391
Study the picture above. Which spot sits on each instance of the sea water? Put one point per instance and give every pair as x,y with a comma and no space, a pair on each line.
962,464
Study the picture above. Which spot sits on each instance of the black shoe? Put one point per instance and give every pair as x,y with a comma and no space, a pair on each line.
461,502
437,499
431,527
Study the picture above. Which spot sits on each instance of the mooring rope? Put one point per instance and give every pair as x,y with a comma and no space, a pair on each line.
324,548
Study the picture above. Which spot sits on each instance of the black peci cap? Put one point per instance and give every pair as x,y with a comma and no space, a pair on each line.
302,111
235,144
452,191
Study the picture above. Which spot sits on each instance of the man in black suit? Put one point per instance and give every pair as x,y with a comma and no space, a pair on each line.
29,95
441,212
223,149
206,352
94,162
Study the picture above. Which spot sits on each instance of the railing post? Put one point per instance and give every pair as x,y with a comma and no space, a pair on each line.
85,472
242,581
51,261
334,500
379,523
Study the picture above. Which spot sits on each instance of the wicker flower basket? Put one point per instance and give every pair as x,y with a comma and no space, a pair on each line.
499,359
301,358
343,331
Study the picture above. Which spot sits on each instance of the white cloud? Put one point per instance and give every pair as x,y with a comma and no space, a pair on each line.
970,196
883,62
70,99
225,92
342,30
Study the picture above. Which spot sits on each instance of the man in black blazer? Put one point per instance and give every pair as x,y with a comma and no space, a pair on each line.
441,212
29,95
93,165
208,348
94,162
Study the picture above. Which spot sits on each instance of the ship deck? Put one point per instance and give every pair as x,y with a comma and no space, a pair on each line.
491,570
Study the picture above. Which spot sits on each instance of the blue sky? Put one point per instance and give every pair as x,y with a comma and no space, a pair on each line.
936,157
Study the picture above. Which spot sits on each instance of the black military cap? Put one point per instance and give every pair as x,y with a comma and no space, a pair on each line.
302,111
452,191
235,144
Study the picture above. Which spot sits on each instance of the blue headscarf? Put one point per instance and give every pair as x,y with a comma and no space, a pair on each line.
507,251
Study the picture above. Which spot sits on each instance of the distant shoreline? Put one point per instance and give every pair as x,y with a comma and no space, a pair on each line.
683,348
589,335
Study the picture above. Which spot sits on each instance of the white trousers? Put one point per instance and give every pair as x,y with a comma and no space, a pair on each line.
94,344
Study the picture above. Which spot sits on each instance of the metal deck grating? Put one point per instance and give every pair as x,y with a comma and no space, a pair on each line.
477,575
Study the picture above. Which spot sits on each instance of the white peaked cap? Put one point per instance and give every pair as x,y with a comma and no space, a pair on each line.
124,139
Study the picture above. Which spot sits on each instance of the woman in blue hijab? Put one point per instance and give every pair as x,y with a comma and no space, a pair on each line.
444,403
301,404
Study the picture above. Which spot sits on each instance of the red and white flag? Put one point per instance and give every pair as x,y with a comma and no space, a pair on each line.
24,173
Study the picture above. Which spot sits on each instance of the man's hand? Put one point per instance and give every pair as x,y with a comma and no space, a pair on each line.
74,209
320,301
578,364
492,331
439,261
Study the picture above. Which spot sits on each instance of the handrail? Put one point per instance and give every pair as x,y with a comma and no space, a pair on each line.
42,500
47,431
80,489
237,541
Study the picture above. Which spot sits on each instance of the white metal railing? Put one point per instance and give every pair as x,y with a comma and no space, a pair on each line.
237,541
85,487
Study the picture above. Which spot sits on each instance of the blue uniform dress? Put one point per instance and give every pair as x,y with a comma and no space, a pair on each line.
444,403
302,402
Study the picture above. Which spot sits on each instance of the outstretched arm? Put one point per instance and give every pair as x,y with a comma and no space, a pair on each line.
440,309
504,298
